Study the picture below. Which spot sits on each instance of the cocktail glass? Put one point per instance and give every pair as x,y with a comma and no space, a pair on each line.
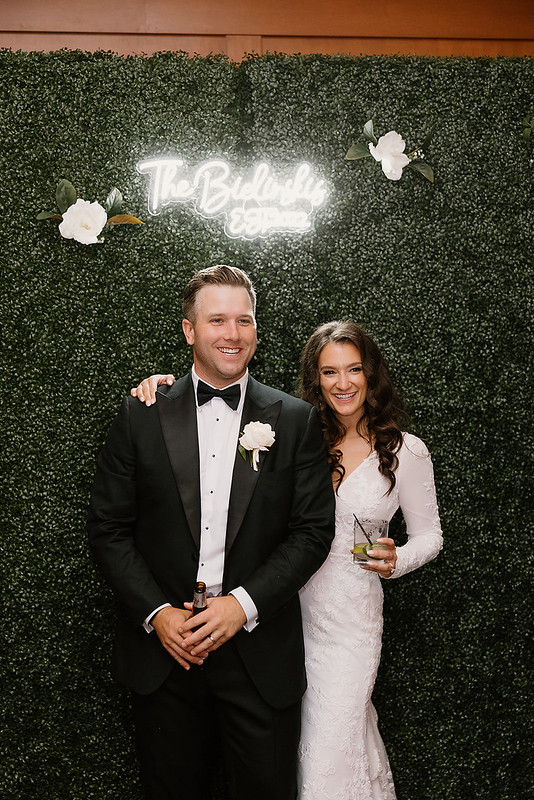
366,533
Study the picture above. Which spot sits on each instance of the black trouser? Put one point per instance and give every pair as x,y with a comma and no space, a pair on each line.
177,724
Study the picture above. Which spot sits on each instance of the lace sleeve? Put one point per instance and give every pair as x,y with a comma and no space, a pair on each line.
417,499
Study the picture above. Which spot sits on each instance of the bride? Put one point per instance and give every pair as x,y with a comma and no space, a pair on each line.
375,469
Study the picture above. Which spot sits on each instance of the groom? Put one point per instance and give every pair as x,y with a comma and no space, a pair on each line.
175,501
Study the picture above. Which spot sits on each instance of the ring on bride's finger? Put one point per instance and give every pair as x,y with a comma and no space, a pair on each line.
392,568
210,637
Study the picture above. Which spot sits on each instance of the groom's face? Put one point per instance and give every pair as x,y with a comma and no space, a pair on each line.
222,333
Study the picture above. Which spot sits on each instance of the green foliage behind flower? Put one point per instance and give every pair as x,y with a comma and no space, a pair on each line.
439,273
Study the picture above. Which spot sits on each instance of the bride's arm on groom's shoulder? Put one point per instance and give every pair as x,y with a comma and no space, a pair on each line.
146,390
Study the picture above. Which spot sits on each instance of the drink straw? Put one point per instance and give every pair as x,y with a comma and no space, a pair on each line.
363,529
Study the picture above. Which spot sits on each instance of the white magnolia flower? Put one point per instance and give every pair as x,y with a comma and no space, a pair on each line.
390,151
257,436
83,221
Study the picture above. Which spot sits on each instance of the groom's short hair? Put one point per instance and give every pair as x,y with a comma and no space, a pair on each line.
219,275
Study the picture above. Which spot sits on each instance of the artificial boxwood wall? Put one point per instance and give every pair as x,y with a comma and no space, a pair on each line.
440,274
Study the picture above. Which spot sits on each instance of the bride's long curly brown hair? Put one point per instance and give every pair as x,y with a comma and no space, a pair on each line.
383,413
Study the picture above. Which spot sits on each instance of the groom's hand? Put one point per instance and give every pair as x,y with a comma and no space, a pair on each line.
167,623
222,619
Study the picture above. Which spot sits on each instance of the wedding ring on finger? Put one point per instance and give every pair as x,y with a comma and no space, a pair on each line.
210,637
392,568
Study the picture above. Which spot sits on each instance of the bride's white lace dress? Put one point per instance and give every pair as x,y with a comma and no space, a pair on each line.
342,756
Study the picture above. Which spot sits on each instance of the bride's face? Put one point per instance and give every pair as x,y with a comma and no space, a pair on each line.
343,384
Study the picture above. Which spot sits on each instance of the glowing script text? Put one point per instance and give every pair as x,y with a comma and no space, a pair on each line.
254,204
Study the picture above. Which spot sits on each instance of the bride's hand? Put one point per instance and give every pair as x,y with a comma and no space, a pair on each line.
146,391
389,555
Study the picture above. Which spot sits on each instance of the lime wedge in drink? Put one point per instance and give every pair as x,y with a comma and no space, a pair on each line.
375,546
360,551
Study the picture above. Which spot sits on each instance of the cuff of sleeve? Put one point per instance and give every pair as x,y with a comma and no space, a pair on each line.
146,624
248,606
399,571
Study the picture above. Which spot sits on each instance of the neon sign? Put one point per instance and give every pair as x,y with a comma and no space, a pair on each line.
254,203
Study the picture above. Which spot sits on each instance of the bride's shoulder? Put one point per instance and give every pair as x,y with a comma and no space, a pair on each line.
413,446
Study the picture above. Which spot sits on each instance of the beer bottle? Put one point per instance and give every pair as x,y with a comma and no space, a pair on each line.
200,602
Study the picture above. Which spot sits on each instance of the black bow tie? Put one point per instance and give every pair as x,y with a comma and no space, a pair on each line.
231,396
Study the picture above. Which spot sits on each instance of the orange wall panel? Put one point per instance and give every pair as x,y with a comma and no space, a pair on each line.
472,19
235,27
123,44
384,46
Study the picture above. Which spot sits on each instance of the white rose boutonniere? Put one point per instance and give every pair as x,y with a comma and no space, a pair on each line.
256,437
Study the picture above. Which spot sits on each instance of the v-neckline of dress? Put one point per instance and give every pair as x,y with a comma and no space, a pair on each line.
347,477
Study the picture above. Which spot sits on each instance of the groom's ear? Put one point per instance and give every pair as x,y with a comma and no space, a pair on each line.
189,331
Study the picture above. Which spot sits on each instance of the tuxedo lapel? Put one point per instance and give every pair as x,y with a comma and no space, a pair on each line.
257,408
178,417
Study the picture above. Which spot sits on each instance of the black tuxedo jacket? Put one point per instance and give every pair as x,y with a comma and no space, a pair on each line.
144,530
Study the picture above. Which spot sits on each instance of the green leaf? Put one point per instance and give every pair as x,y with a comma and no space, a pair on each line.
247,455
124,219
526,134
48,215
369,131
359,150
425,169
65,195
113,202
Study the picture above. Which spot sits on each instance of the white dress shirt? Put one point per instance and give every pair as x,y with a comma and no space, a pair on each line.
218,433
